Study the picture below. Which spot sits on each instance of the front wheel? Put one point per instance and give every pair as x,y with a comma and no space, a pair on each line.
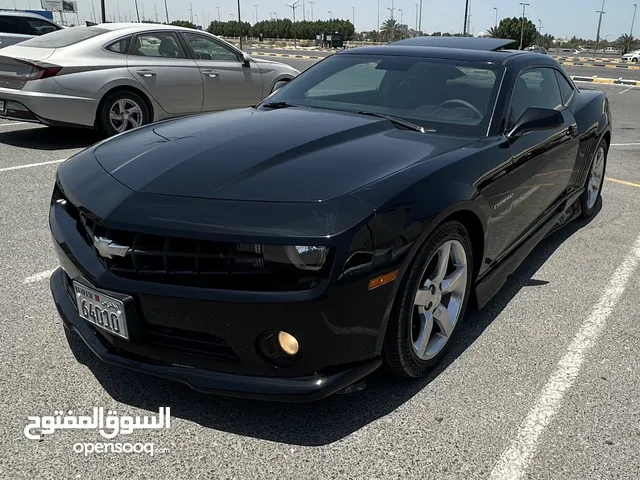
595,180
122,111
431,302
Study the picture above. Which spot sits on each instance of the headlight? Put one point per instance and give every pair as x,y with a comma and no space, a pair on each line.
302,256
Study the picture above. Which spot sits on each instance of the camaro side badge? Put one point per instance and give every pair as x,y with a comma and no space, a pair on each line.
504,200
108,249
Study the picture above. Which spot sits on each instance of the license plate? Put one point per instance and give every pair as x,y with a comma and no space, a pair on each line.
1,106
104,312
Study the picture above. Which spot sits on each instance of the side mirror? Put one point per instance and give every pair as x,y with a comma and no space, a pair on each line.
246,60
536,118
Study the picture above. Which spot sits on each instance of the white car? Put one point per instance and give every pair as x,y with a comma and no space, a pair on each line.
633,57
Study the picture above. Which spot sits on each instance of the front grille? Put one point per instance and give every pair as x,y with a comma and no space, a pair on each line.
191,262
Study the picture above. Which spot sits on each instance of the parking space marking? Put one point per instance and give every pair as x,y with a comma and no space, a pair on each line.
625,144
623,182
625,91
29,165
13,123
515,460
38,277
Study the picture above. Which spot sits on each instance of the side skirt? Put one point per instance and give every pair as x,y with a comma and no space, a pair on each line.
491,283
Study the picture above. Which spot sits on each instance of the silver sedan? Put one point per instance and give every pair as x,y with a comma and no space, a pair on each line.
115,77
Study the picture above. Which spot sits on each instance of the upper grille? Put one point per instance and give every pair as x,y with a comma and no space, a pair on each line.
190,262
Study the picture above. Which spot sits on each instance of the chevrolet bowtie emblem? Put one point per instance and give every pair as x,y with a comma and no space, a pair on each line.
108,249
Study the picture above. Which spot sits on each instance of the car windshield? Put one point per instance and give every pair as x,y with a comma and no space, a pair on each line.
451,97
64,37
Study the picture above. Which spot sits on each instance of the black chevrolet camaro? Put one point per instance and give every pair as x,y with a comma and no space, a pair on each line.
287,250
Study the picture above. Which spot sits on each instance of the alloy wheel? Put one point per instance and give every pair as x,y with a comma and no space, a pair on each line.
125,114
438,301
595,178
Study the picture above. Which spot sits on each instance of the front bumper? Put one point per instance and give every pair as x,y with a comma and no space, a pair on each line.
294,389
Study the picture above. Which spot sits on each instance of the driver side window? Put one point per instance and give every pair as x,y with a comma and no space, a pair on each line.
535,87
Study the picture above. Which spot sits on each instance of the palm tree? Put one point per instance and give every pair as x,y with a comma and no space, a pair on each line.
390,30
493,32
626,43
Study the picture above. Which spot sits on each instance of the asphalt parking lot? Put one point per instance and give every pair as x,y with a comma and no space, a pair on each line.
541,384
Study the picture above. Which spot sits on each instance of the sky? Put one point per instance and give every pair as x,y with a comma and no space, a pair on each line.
561,18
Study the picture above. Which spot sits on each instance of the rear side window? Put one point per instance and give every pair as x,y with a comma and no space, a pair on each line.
157,45
64,37
39,27
10,25
565,88
120,46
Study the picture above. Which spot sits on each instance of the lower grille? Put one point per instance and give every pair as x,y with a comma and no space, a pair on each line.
189,343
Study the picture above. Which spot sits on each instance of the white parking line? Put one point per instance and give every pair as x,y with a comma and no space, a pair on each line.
624,144
38,277
515,460
625,91
29,165
13,123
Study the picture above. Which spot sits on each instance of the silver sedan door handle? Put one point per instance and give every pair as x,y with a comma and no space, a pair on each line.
210,73
146,73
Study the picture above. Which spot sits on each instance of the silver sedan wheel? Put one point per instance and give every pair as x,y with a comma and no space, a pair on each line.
125,114
595,178
438,301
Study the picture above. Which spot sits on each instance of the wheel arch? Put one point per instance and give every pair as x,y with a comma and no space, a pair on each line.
126,88
469,214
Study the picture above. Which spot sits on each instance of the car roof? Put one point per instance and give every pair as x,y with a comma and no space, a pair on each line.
469,49
466,43
140,27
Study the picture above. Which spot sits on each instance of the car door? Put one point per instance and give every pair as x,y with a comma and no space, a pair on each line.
159,62
228,83
543,160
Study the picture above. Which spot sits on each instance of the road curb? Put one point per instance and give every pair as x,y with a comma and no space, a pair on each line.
600,65
288,55
606,81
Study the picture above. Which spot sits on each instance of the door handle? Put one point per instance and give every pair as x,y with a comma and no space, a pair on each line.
146,73
210,74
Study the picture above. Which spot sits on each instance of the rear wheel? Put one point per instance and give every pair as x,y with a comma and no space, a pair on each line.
634,60
122,111
595,179
431,302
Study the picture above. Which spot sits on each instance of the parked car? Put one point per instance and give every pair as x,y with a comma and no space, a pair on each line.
287,250
16,27
115,77
632,57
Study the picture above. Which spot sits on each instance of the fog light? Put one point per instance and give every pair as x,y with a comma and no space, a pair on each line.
288,343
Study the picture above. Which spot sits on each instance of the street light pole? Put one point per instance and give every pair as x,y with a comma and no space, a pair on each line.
166,10
496,9
218,13
524,6
466,17
416,18
601,12
420,18
239,25
256,7
635,8
311,3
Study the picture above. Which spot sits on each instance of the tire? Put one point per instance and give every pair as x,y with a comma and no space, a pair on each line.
128,100
634,60
402,341
590,197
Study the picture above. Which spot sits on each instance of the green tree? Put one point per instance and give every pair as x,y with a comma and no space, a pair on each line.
390,30
512,29
183,23
626,43
493,32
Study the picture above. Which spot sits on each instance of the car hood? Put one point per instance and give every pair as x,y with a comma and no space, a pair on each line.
284,155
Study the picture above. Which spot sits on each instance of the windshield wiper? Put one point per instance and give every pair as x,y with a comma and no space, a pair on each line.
277,105
398,121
